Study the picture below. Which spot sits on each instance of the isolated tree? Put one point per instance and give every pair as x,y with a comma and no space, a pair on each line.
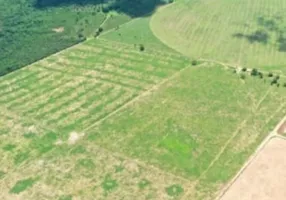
270,74
194,62
141,47
244,69
254,72
260,74
100,29
284,85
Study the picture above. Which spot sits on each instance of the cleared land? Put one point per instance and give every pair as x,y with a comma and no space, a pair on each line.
244,33
104,120
265,177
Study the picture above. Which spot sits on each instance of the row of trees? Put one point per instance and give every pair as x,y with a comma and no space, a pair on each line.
275,79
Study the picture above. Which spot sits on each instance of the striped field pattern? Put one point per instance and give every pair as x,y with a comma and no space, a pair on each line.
47,106
83,85
238,32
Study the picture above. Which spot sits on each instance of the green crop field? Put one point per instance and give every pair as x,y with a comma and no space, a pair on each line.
239,32
106,119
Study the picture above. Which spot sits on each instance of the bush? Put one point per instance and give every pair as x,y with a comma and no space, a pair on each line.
100,29
254,72
274,81
260,74
270,74
194,62
244,69
284,85
141,47
242,76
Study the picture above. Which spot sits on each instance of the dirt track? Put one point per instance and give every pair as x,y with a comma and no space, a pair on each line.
265,177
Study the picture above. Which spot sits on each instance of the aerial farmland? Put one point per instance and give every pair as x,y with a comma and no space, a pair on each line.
182,101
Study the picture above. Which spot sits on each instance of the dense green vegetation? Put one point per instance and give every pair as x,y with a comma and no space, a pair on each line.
31,30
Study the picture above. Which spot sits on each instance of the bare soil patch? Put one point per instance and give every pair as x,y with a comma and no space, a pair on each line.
282,128
265,177
59,29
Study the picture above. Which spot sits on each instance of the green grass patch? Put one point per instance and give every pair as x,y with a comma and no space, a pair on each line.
23,185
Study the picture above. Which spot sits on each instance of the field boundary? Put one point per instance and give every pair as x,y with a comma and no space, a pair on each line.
271,135
66,49
139,96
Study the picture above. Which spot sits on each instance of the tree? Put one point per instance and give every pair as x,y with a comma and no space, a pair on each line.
194,62
270,74
244,69
260,74
254,72
141,47
100,29
274,81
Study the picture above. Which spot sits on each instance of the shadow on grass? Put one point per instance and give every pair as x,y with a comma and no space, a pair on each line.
132,8
269,29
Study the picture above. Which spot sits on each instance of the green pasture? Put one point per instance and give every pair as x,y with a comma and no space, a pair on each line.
241,33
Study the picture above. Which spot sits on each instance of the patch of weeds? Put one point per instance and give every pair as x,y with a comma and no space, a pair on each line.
2,174
118,168
23,185
86,163
78,150
65,197
109,184
21,157
143,183
9,147
45,143
242,76
174,190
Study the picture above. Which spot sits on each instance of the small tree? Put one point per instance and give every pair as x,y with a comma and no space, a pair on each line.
141,47
274,81
260,74
194,62
100,29
270,74
284,85
244,69
254,72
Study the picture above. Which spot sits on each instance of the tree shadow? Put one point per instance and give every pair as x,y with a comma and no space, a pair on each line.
269,29
132,8
259,36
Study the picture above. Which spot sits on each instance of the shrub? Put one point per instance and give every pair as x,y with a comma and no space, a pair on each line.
244,69
274,81
242,76
270,74
254,72
284,85
260,74
194,62
141,47
100,29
